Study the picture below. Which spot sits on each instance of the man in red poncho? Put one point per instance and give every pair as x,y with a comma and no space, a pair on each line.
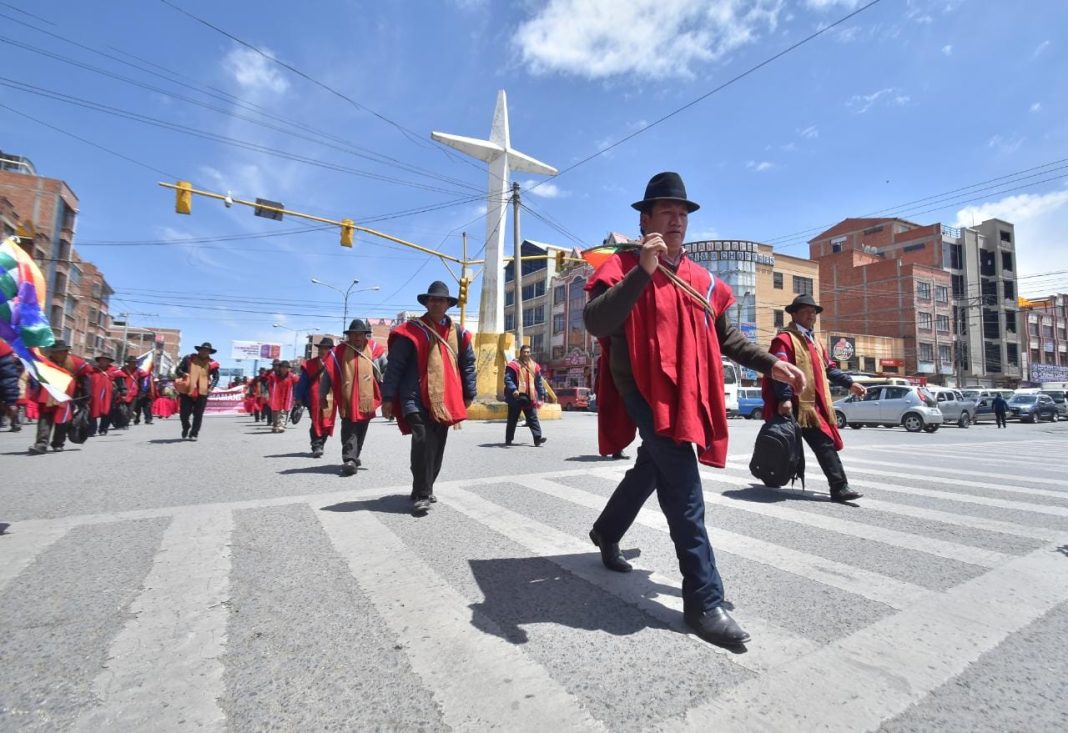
280,383
797,344
352,379
103,380
196,376
54,417
524,391
429,383
662,324
320,406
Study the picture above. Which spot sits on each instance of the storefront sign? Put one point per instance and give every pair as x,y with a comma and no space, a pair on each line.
892,362
843,348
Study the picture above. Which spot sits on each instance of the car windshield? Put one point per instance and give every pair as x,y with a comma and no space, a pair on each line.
1023,399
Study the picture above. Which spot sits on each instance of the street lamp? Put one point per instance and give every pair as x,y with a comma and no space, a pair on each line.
345,295
296,332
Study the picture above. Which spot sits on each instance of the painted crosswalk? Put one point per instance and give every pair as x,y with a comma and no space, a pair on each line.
165,665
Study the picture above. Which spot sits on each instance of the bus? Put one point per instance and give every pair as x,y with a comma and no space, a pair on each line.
732,379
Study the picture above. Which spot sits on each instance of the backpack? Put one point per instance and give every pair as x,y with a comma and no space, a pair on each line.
78,430
778,457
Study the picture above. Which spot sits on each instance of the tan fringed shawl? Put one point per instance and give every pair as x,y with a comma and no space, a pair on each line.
807,412
199,375
435,369
362,378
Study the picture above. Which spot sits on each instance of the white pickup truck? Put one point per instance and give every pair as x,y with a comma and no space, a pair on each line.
955,407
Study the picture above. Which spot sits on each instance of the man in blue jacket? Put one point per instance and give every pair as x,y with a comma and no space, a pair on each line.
524,392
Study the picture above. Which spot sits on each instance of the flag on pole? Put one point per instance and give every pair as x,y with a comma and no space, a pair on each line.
23,324
146,361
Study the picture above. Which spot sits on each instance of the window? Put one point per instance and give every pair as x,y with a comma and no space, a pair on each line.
945,355
559,294
537,343
802,285
986,263
914,247
869,364
1006,260
923,290
952,256
558,323
926,351
958,285
923,321
993,357
1010,321
558,352
534,290
942,322
1008,289
509,299
1012,355
1005,236
941,294
533,316
509,321
776,280
895,393
779,319
991,325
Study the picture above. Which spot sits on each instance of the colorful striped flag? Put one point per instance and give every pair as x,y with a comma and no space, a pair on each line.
595,256
23,324
146,361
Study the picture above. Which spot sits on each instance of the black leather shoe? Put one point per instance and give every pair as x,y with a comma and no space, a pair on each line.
421,506
539,442
348,469
845,494
317,453
610,554
717,627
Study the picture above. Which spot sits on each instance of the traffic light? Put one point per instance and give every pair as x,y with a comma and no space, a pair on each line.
348,229
559,259
183,202
462,297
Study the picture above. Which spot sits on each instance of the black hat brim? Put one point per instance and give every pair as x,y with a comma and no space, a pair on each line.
791,309
644,203
426,296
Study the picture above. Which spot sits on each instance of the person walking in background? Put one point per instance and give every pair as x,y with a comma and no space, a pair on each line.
54,417
1001,409
9,385
102,384
429,383
281,384
197,375
352,380
320,405
524,392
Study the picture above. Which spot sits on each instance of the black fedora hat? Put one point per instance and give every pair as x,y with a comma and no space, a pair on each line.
437,289
358,325
325,343
666,186
803,300
130,358
59,345
205,345
104,356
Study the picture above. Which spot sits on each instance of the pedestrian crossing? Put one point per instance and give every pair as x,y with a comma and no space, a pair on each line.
495,613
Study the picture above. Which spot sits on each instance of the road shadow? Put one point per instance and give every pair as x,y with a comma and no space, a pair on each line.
595,459
764,495
397,504
502,444
537,590
27,452
3,527
301,454
165,441
319,468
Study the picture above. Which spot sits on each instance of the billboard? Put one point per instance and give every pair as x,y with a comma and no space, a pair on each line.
254,350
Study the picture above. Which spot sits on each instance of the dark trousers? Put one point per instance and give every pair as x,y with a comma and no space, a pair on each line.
317,441
669,469
103,424
143,406
428,449
46,427
267,416
827,456
352,435
999,417
191,406
530,413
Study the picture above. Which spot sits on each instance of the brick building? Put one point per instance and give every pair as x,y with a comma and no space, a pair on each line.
949,293
1045,338
91,303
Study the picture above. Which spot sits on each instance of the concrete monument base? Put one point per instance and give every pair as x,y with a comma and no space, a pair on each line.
490,361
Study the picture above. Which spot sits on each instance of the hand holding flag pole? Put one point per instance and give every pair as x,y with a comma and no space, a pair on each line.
595,257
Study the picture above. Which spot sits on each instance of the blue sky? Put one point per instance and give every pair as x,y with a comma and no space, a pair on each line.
908,100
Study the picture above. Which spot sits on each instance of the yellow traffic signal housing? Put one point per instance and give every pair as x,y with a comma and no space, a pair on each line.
559,259
462,296
183,203
348,229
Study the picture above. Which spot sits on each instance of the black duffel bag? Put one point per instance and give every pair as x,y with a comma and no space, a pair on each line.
778,456
78,429
120,415
295,414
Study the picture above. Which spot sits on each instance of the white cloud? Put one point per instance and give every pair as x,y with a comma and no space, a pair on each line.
1039,49
253,72
598,39
760,166
1036,107
245,180
861,103
829,4
1040,221
947,50
809,132
1005,145
544,189
788,148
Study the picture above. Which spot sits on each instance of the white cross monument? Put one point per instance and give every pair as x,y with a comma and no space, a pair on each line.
503,159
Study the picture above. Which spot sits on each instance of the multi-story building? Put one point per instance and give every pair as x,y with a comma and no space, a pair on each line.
949,293
1045,338
166,342
48,211
92,319
538,274
9,219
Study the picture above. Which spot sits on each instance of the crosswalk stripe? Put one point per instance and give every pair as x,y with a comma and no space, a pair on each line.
1033,463
1056,511
480,681
580,558
928,476
895,662
163,670
23,545
873,586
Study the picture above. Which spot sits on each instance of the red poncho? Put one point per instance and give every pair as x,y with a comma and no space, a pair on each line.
453,400
79,369
281,390
675,358
782,346
332,374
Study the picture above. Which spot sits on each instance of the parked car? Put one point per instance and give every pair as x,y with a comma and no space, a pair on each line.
984,410
750,404
890,405
1059,399
1032,408
955,408
573,398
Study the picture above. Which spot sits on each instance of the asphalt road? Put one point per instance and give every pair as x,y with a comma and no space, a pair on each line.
238,584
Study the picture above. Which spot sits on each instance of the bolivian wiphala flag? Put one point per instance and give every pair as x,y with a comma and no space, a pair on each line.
23,323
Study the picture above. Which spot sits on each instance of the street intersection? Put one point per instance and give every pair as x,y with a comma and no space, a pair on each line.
238,584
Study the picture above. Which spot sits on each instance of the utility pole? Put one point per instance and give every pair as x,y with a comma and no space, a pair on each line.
517,269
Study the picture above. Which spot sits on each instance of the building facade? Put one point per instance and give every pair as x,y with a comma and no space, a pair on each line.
1045,338
538,273
949,293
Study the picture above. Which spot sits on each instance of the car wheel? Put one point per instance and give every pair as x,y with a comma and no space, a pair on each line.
757,414
931,428
841,420
964,421
912,422
855,425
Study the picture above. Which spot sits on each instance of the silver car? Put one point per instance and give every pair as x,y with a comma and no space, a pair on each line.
891,405
955,407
